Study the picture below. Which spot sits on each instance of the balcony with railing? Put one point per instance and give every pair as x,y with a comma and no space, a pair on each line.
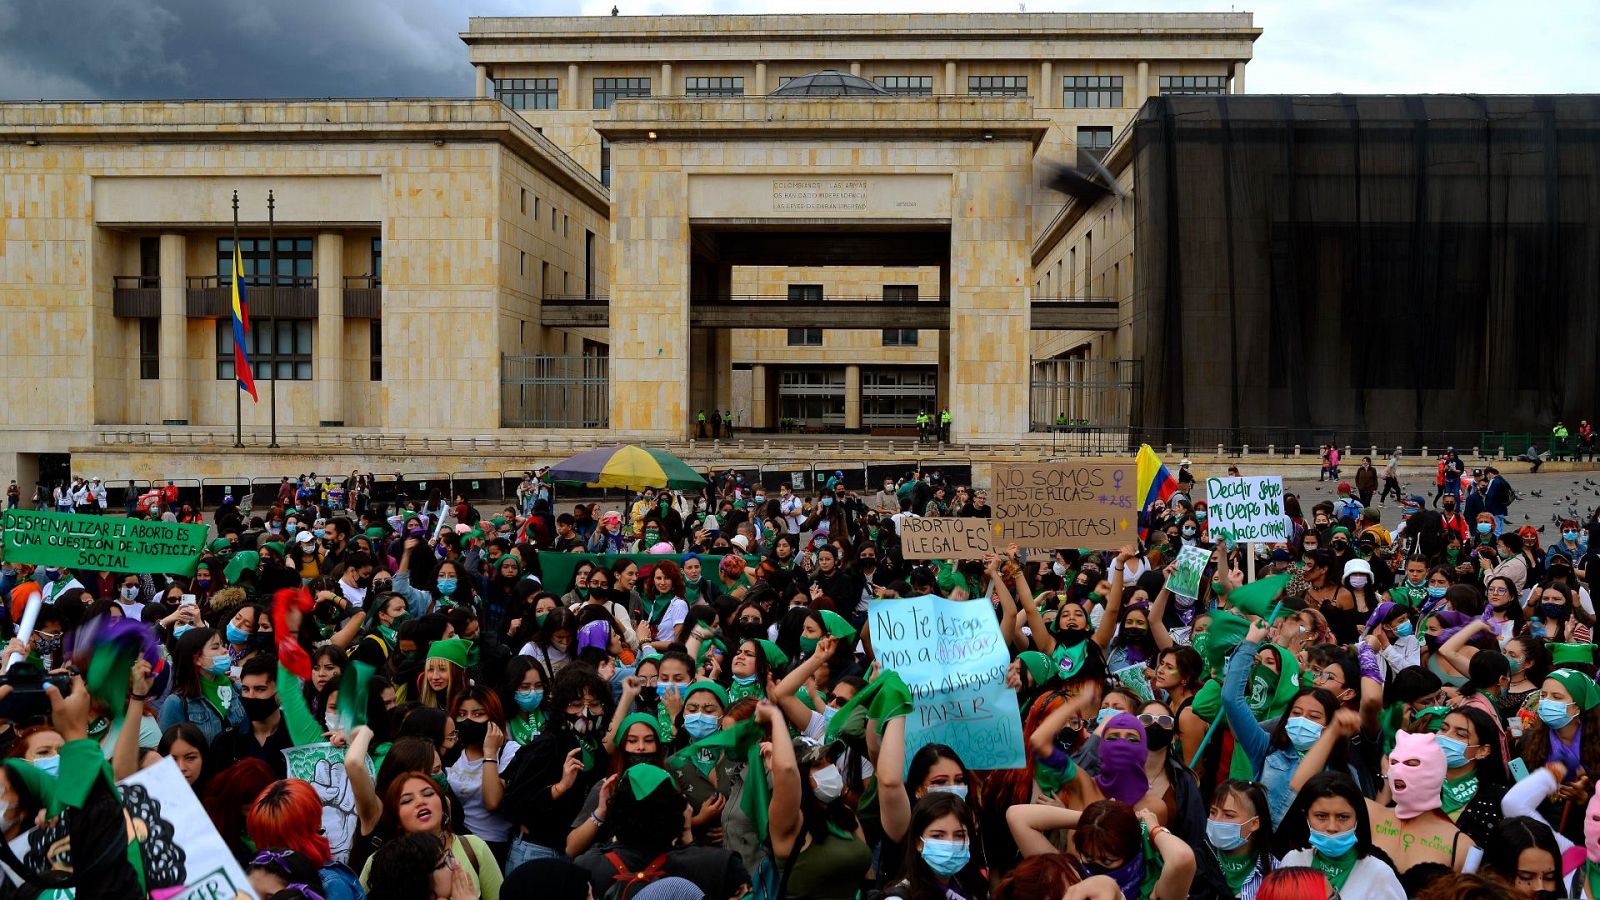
136,296
363,297
293,297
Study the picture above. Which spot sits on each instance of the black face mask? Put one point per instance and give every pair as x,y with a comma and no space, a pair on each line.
259,709
1136,635
1072,637
470,733
638,759
1157,738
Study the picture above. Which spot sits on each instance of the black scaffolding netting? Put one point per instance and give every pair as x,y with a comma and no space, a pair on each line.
1399,269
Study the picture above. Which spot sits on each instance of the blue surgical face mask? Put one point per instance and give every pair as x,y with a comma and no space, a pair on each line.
1226,836
960,790
1333,845
1104,714
1455,752
1404,629
744,679
49,764
179,631
1485,527
1569,535
528,701
1435,592
237,635
666,687
700,725
220,664
1302,732
945,858
1554,713
447,586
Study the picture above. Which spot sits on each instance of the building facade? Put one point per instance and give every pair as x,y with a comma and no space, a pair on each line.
1083,76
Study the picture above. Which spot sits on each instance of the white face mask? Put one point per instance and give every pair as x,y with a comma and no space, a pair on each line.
1358,581
1059,568
828,784
130,593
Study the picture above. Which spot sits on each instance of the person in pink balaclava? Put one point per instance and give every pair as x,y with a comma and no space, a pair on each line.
1416,830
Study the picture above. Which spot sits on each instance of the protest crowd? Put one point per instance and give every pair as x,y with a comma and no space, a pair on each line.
747,690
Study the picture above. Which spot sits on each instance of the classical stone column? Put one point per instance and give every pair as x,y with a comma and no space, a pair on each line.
327,367
482,74
666,82
1047,97
950,77
574,100
1238,77
852,398
1141,84
761,79
174,385
855,69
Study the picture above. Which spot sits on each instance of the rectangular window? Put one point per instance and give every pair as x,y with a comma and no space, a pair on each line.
906,85
150,257
527,93
536,208
899,337
1091,91
1193,84
150,349
522,263
294,261
997,85
714,87
376,373
805,337
1094,141
588,265
566,222
605,162
294,349
522,203
609,90
377,258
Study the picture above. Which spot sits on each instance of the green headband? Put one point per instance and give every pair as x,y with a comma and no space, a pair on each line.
1580,686
836,624
710,687
629,722
776,658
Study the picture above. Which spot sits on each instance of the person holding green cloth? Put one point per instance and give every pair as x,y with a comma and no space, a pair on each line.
635,740
1562,737
840,658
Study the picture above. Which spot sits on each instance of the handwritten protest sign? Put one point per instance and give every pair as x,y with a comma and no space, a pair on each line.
1185,580
101,542
1057,505
945,537
1251,509
183,855
322,766
952,658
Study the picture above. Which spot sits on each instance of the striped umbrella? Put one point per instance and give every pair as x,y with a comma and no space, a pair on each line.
629,467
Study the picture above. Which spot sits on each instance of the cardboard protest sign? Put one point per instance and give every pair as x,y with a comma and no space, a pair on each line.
952,658
322,766
1250,509
1185,580
945,537
101,542
1051,506
184,857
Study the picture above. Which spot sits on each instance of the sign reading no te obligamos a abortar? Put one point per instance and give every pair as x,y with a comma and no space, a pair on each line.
101,542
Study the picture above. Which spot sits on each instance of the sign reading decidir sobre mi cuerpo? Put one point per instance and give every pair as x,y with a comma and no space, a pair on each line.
1250,508
1051,506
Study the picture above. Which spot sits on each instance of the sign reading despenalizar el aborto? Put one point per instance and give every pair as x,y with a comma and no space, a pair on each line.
102,543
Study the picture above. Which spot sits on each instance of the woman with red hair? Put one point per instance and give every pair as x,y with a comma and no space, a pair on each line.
662,608
228,798
288,814
1294,883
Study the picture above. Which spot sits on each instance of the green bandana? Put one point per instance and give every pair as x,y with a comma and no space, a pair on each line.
836,625
1457,792
632,720
1237,867
1263,683
655,608
737,691
1039,666
1410,596
1337,869
776,658
526,727
1580,686
1591,878
645,779
213,686
710,687
1257,598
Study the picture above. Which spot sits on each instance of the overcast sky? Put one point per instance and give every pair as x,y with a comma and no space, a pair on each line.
119,49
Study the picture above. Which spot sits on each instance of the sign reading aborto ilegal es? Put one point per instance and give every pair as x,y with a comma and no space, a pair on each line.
1051,506
945,537
1250,508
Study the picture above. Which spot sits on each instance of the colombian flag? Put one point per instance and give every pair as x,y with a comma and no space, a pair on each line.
1155,482
242,371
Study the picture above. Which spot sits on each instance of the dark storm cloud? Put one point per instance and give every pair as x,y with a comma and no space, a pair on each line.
149,49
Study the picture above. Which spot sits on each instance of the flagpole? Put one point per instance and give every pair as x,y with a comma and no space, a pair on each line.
272,314
238,403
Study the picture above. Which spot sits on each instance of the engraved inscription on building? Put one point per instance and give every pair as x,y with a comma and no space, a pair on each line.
820,194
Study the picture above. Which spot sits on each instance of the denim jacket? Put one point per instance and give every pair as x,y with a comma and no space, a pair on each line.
199,712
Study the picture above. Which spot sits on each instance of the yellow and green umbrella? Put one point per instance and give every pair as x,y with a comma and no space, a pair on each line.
628,467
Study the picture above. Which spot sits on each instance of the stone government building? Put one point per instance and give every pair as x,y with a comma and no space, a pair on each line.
833,220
